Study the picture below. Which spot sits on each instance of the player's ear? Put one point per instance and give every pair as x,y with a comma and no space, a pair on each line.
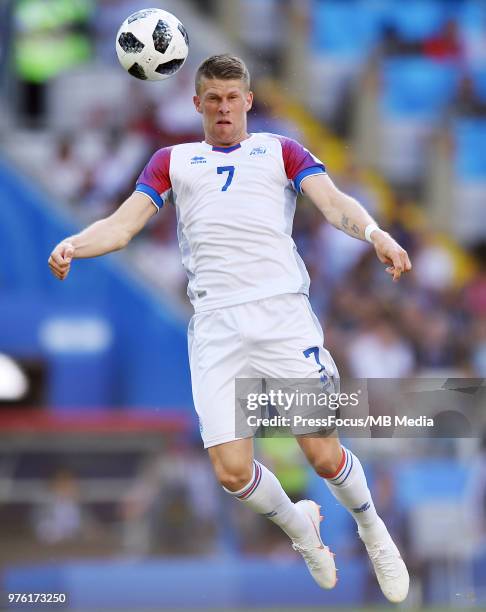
197,103
249,101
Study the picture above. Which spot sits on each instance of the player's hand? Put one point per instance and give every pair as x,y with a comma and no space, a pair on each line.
60,260
390,252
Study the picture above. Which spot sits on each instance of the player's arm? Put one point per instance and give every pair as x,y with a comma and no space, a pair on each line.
347,214
104,236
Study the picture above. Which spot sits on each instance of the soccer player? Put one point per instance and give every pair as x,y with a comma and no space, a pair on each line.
235,196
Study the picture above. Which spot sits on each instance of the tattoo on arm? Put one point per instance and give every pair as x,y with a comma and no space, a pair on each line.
345,224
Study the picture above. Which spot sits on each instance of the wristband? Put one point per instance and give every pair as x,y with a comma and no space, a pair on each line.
371,227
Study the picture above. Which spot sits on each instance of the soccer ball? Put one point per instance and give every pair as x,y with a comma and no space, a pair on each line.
152,44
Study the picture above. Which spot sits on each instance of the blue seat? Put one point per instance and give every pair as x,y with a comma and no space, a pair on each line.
479,78
417,87
472,16
346,29
478,574
470,149
418,19
443,479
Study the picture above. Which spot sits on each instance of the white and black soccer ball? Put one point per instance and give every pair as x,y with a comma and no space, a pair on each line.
152,44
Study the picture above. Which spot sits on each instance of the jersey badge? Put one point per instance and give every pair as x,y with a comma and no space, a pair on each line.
258,151
197,159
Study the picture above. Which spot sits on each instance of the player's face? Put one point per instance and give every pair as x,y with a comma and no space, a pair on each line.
224,105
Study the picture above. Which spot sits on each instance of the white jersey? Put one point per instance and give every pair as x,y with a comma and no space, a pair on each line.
235,209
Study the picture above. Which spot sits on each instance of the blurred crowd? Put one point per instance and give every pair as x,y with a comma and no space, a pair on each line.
431,323
448,45
433,320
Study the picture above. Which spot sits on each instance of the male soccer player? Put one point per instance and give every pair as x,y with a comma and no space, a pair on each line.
235,197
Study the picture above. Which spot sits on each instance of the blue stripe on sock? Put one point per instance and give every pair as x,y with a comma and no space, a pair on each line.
349,472
333,480
257,482
254,481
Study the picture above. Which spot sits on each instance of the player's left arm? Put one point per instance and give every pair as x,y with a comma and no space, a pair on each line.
347,214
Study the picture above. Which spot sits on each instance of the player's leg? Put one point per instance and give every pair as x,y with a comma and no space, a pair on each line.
217,357
295,343
257,487
254,485
343,474
345,478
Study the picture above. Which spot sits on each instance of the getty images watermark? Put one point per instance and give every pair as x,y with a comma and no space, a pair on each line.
414,407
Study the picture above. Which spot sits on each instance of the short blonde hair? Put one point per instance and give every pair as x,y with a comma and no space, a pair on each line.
224,67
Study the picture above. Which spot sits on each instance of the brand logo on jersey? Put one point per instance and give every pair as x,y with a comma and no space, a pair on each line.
198,160
258,151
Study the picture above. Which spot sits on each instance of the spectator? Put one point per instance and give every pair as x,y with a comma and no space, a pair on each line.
433,263
68,177
176,115
446,45
478,342
437,346
467,102
59,518
263,30
109,185
392,43
174,488
381,352
475,292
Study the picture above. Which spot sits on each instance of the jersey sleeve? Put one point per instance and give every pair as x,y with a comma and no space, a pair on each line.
154,180
299,162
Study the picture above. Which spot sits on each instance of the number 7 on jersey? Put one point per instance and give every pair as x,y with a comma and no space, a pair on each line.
230,170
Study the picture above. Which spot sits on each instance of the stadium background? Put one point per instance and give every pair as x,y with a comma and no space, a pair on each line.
105,492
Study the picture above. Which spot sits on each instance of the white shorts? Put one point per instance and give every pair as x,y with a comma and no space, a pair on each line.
265,338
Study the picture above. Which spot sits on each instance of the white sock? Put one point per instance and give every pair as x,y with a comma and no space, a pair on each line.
264,494
349,487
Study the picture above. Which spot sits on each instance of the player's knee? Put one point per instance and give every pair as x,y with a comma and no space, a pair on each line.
325,464
234,479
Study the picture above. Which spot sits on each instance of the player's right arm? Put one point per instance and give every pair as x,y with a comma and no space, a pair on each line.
104,236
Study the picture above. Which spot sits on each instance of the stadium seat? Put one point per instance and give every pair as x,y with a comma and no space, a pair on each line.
479,572
417,87
417,19
346,29
443,481
470,149
479,79
472,16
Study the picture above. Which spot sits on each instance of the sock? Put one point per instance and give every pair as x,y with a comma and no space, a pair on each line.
264,494
348,485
